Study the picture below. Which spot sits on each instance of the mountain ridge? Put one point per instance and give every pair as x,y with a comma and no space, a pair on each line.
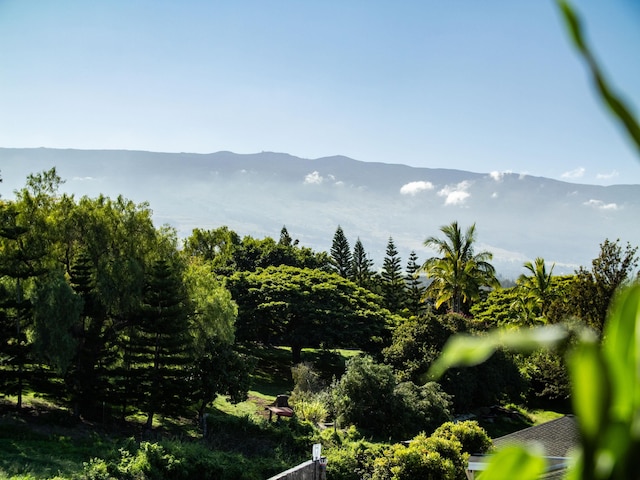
518,217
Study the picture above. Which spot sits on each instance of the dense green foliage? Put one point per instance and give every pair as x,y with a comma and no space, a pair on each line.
307,308
369,396
442,455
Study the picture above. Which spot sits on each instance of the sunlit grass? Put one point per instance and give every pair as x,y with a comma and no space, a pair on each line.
248,407
544,416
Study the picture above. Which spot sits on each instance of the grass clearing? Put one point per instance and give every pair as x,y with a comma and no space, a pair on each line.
544,416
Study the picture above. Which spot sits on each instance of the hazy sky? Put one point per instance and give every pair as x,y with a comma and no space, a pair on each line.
479,85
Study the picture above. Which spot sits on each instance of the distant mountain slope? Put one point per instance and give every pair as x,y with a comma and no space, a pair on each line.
518,217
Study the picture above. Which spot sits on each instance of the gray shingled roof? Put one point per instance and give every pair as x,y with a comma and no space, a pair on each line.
558,437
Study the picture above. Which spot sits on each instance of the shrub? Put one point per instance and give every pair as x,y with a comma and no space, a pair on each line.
312,410
496,381
96,469
471,436
305,379
548,377
364,395
420,409
173,460
425,457
351,460
367,395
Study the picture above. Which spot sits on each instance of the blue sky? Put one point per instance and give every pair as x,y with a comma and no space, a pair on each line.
476,85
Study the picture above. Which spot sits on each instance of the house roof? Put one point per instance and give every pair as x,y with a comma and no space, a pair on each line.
558,437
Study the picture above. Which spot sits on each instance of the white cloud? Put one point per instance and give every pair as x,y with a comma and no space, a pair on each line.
600,205
576,173
455,194
494,195
313,178
607,176
412,188
83,179
497,176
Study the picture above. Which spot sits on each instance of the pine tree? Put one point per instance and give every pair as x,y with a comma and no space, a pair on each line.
285,238
361,272
87,377
160,344
341,254
393,286
23,255
415,288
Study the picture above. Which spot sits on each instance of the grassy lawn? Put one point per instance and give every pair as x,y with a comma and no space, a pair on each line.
272,374
40,447
544,416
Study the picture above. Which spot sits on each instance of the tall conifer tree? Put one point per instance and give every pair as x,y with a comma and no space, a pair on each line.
393,287
361,272
341,254
415,288
160,344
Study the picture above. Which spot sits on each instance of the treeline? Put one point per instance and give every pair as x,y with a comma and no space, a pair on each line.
105,313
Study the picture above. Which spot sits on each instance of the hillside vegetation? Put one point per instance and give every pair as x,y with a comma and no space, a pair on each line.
127,353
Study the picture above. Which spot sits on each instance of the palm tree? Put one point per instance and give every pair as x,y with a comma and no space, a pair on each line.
538,286
458,274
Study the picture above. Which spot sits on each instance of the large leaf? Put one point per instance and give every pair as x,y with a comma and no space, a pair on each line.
590,389
468,350
621,348
514,462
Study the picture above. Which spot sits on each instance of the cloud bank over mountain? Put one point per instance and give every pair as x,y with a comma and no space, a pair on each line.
518,217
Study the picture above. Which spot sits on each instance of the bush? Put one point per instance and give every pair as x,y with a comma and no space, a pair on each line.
494,382
420,409
425,457
312,410
350,459
305,380
173,460
364,395
367,396
548,377
471,436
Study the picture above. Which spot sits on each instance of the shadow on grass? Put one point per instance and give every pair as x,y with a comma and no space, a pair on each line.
272,374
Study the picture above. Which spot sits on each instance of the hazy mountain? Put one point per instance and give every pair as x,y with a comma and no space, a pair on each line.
518,217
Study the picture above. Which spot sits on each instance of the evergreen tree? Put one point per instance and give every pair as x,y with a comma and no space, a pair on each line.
415,288
361,273
22,260
341,254
285,238
88,375
161,343
393,286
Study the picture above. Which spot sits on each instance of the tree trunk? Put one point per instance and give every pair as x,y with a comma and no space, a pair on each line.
296,354
149,424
